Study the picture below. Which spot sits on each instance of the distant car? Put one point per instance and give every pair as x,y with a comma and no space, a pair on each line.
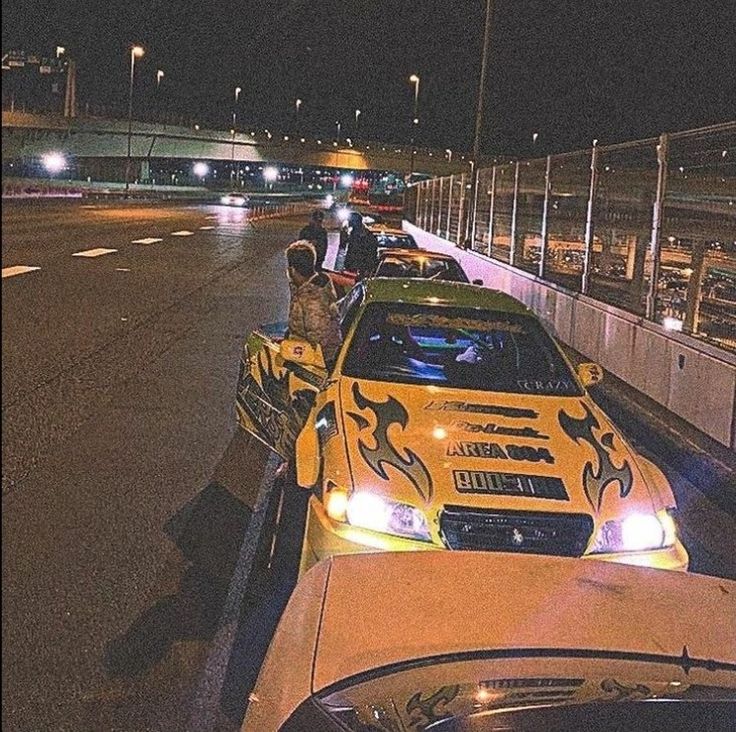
389,238
234,199
477,642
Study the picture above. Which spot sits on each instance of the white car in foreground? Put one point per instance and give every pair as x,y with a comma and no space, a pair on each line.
477,641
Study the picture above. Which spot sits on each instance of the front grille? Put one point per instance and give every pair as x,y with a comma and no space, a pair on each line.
528,532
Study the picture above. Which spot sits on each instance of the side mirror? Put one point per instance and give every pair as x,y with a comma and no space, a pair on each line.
478,282
302,352
590,373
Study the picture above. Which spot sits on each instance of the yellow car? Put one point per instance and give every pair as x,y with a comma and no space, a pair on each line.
452,420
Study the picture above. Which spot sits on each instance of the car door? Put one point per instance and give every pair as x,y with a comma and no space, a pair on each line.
276,391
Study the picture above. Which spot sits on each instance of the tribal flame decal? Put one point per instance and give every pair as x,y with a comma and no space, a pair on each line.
595,483
385,453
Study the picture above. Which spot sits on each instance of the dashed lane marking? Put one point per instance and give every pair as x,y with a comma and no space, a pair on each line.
122,269
98,252
17,270
183,232
149,240
206,228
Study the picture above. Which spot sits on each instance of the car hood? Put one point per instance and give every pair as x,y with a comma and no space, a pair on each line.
431,446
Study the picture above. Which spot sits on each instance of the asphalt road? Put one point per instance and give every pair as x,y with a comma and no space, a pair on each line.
118,405
128,493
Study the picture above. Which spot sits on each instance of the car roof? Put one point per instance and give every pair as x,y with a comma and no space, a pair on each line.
439,292
411,253
485,601
390,230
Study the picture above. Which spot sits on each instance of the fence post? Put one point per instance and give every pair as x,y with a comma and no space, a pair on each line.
434,229
474,211
657,216
461,211
545,214
449,208
514,210
588,256
491,212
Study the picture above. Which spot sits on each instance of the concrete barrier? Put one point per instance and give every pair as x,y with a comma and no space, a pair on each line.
694,380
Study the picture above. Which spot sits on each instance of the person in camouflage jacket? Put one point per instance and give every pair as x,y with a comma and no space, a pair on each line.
313,308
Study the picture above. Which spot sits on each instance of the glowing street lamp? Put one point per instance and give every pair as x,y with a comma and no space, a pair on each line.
238,90
159,75
54,162
414,79
201,170
60,50
270,176
135,52
357,114
339,127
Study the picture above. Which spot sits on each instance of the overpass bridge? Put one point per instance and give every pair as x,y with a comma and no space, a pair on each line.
28,136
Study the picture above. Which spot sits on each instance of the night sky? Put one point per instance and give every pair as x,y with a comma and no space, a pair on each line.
571,70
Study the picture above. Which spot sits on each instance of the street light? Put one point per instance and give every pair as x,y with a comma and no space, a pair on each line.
297,105
159,75
414,79
59,51
339,127
54,162
235,119
135,52
357,114
270,175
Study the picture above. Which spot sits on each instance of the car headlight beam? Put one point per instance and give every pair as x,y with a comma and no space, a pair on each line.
369,511
636,532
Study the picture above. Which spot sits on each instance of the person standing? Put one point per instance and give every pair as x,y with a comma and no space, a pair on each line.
316,233
362,248
313,313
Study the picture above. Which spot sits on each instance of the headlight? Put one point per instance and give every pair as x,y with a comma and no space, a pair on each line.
224,199
636,533
343,213
369,511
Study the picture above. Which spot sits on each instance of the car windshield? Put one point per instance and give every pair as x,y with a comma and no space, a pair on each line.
575,695
463,348
400,241
447,270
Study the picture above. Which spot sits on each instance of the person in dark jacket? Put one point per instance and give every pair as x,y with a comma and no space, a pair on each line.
362,248
316,233
313,312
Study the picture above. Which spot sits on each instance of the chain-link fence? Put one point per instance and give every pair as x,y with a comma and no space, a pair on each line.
648,226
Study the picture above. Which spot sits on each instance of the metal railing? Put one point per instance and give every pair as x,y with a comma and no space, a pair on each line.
647,226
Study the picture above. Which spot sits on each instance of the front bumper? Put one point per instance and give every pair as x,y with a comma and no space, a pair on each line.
674,558
324,538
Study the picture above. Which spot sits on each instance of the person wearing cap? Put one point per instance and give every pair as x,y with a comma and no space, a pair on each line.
316,233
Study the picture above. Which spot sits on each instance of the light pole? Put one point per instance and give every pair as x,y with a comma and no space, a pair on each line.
339,127
479,114
135,52
297,105
357,114
414,79
232,131
60,50
159,77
